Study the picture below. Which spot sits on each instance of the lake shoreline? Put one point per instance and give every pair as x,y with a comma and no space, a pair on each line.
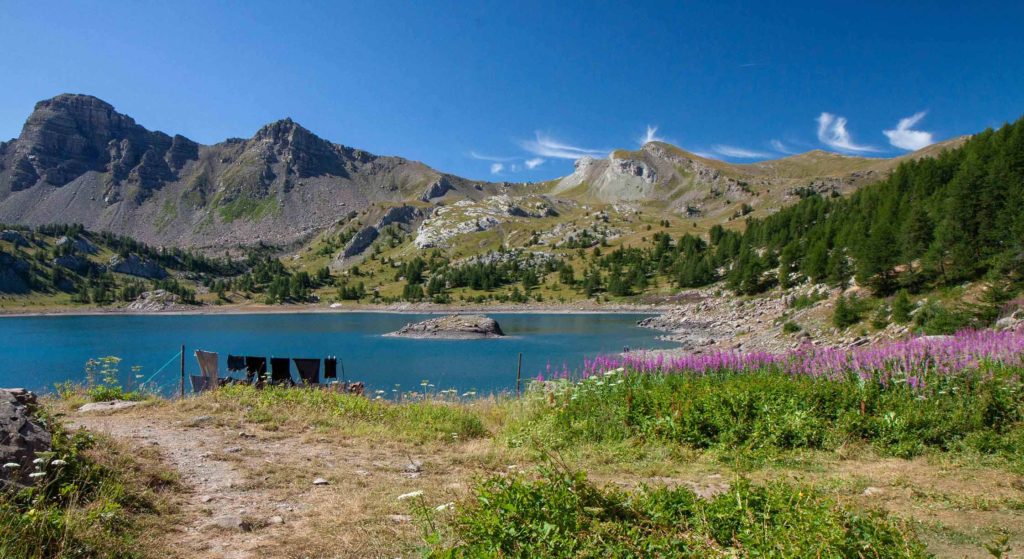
404,308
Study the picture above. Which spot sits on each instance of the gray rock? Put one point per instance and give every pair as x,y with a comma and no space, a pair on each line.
21,436
107,407
157,300
452,327
360,242
73,262
437,189
321,481
80,244
275,520
403,215
135,265
872,491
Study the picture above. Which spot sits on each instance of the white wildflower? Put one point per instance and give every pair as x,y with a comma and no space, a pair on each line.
11,466
413,495
37,474
444,507
59,463
38,461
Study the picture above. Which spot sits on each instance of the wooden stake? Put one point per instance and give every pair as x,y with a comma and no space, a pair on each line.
183,371
519,376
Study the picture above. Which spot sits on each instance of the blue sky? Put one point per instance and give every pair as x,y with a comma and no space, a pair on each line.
516,90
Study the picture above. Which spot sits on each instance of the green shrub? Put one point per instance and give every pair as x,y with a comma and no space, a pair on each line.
770,411
790,327
847,312
563,515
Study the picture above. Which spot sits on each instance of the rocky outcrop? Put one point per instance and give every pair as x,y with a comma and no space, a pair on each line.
360,242
155,301
452,327
135,265
74,262
437,189
79,244
21,436
403,215
70,135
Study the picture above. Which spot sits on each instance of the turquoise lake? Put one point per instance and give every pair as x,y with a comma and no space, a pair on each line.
37,352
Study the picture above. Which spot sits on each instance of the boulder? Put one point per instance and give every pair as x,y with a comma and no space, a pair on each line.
452,327
135,265
21,436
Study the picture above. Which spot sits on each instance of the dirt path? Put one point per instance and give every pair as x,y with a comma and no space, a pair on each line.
251,494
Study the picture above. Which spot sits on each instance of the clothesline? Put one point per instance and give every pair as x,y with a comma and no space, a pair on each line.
169,361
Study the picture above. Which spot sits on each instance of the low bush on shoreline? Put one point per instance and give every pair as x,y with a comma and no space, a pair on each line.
86,499
561,514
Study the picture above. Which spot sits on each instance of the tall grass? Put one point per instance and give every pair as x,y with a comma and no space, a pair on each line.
277,407
769,409
88,500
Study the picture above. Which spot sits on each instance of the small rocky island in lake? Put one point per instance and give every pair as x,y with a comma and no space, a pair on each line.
452,327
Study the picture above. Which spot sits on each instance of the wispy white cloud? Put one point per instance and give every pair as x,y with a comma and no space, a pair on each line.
905,137
739,153
546,146
483,157
533,163
497,168
651,135
832,132
781,147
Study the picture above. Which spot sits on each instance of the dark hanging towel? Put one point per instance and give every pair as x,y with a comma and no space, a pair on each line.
309,370
331,367
236,363
280,370
255,367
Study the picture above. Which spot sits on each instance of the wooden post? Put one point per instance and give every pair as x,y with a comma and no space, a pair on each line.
519,376
183,371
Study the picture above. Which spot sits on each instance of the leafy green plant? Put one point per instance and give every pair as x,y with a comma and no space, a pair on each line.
561,514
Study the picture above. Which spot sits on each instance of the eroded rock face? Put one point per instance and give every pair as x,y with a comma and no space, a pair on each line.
452,327
360,242
72,134
403,215
135,265
21,436
13,237
437,189
157,300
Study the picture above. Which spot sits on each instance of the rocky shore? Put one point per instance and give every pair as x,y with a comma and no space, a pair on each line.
452,327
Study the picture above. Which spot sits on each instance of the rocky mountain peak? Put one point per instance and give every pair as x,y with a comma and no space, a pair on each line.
72,134
305,153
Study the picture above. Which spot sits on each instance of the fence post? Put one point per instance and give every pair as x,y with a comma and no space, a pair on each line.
182,371
519,376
